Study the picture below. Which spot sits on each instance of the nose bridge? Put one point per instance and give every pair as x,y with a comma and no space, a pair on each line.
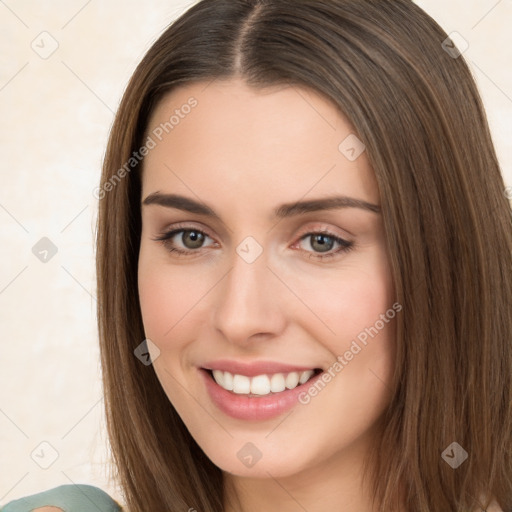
247,301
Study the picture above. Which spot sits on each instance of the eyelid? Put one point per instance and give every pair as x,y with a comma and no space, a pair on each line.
316,228
187,226
322,227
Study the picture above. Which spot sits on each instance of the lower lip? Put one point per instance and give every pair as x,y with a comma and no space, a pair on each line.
255,408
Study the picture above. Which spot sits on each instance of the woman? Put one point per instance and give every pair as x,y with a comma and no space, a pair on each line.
304,267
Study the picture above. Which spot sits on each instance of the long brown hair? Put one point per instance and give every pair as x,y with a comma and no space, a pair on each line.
386,66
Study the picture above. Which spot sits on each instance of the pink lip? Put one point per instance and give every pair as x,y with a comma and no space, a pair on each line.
253,408
254,369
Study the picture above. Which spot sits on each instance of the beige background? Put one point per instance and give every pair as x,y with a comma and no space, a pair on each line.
55,115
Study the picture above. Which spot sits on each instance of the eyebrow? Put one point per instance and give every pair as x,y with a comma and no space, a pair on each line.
283,211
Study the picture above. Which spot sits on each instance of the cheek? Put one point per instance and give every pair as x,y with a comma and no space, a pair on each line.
355,319
157,302
154,302
352,303
165,299
166,294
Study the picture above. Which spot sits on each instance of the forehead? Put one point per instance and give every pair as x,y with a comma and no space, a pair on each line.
282,142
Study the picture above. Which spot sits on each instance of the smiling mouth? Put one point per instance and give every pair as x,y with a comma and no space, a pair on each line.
261,385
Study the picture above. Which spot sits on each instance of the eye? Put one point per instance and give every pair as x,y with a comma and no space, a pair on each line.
187,241
183,241
323,242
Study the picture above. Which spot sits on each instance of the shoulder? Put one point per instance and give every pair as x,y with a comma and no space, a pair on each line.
69,498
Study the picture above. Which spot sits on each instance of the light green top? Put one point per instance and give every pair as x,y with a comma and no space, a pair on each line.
69,498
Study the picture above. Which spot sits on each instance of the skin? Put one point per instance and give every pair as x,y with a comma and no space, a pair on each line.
243,152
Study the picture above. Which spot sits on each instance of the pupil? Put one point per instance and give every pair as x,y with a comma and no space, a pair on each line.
323,241
195,238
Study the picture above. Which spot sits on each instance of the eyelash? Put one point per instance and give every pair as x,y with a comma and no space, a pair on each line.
165,239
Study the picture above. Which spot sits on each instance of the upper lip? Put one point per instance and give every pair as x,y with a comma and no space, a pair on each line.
255,368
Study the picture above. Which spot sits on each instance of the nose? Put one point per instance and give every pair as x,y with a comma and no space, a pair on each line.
248,304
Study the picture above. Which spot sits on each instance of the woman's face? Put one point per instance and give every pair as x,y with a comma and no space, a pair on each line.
259,277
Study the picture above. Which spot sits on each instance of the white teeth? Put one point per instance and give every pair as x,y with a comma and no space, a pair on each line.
219,377
277,383
261,384
241,384
292,379
305,376
228,381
